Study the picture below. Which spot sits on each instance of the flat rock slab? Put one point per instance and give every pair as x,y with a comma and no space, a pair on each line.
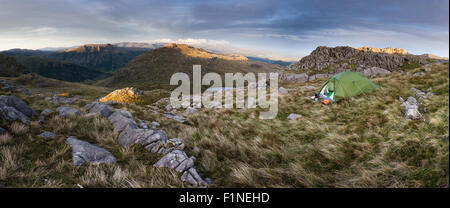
84,152
68,111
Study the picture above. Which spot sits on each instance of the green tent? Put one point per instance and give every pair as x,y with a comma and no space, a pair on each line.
344,85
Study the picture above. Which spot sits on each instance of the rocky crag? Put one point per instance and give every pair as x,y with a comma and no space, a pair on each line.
344,58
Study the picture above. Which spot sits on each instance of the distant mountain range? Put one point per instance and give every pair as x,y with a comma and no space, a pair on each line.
154,68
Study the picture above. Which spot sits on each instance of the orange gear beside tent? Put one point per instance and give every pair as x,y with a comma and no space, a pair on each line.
326,102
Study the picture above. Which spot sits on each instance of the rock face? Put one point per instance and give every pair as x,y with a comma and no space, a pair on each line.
375,71
68,111
15,109
125,95
84,152
99,108
344,58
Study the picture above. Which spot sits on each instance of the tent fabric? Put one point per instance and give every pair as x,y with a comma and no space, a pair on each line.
346,84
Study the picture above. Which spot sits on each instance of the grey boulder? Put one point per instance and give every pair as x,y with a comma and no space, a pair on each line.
84,152
99,108
68,112
121,120
18,104
11,114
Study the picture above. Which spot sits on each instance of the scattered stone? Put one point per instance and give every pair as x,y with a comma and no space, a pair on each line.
375,71
294,116
125,95
294,77
418,74
99,108
83,152
68,112
176,117
56,99
427,69
47,135
191,110
308,87
283,90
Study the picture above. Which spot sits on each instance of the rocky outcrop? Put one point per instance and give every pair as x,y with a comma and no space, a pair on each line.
156,141
84,152
125,95
344,58
68,112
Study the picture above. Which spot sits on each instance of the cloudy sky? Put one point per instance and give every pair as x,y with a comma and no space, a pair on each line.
285,28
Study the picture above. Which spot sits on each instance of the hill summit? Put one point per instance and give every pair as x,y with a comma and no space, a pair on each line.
91,48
